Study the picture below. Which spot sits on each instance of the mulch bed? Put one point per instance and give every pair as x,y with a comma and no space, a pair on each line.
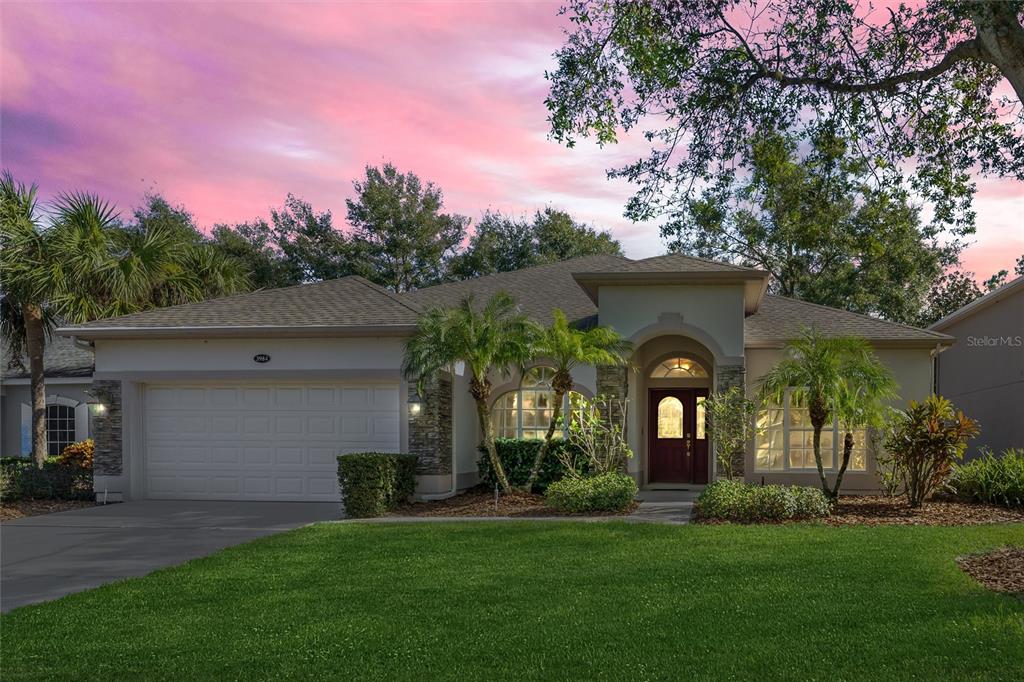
480,502
1001,570
22,508
883,511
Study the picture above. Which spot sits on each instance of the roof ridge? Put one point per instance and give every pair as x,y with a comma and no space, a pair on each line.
703,260
512,272
386,292
850,312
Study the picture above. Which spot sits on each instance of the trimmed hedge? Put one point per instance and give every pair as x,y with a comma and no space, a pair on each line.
517,457
607,492
991,479
747,503
373,483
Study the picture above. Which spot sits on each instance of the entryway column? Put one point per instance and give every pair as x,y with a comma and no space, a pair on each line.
430,433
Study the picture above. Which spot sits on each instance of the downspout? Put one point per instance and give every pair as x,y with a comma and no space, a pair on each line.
934,354
453,487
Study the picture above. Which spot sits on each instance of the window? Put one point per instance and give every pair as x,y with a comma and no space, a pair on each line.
679,368
786,442
702,418
670,418
60,428
526,413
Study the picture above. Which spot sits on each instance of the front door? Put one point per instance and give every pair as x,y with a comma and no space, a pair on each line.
677,447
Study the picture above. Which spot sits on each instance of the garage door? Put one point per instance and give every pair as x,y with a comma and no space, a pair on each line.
261,441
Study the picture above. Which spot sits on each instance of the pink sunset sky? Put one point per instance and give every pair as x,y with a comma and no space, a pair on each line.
227,107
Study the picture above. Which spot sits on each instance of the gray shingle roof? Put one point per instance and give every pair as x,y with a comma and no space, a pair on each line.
538,289
61,358
355,303
781,318
346,302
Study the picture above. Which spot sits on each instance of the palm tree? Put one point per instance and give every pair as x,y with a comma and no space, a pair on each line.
566,347
494,338
81,264
837,377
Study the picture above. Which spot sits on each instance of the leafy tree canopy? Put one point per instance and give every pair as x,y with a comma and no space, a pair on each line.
402,238
502,243
956,288
819,227
912,88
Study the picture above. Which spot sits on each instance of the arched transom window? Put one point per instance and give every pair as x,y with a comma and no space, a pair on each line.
526,412
679,368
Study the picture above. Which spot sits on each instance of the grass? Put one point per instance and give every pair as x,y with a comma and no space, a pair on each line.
543,600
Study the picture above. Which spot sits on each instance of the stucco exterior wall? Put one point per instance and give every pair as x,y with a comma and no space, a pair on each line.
983,374
15,395
912,369
714,314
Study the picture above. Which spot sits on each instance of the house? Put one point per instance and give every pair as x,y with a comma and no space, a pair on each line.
984,373
68,375
253,396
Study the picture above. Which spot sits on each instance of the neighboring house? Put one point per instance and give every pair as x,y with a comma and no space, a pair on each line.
984,373
253,396
68,375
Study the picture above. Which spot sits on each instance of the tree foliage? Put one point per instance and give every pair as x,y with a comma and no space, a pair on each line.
956,288
403,239
502,243
914,88
819,227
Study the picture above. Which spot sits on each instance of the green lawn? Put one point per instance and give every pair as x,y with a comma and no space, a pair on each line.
543,600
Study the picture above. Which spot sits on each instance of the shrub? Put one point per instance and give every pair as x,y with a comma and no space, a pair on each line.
745,503
517,457
373,483
611,491
922,445
21,479
598,432
78,454
731,422
996,480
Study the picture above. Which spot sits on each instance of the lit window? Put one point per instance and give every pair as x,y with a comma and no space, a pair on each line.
679,368
526,413
786,442
670,418
702,418
60,428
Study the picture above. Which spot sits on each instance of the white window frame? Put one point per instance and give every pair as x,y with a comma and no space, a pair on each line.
81,420
786,427
566,406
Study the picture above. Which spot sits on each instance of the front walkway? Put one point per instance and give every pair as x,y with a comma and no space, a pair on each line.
49,556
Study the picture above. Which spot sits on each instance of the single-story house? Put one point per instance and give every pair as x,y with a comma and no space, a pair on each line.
253,396
984,373
68,376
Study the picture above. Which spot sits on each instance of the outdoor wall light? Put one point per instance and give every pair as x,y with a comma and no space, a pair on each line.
415,405
98,404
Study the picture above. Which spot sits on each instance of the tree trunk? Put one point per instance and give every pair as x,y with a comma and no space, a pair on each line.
492,452
819,415
545,447
847,451
35,344
1002,36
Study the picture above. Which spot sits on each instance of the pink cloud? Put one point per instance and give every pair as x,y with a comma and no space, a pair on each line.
227,107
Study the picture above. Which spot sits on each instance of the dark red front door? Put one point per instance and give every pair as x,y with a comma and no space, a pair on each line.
677,450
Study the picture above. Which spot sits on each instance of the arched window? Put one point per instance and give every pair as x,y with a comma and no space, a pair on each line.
526,412
670,418
679,368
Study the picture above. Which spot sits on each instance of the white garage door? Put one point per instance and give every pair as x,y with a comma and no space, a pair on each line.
261,441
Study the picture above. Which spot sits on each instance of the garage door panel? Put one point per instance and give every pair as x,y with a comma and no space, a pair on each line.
267,442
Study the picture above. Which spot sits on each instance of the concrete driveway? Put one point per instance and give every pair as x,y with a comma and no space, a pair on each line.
49,556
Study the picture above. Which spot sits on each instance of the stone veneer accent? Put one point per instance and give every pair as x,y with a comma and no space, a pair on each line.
613,382
727,376
107,432
430,434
